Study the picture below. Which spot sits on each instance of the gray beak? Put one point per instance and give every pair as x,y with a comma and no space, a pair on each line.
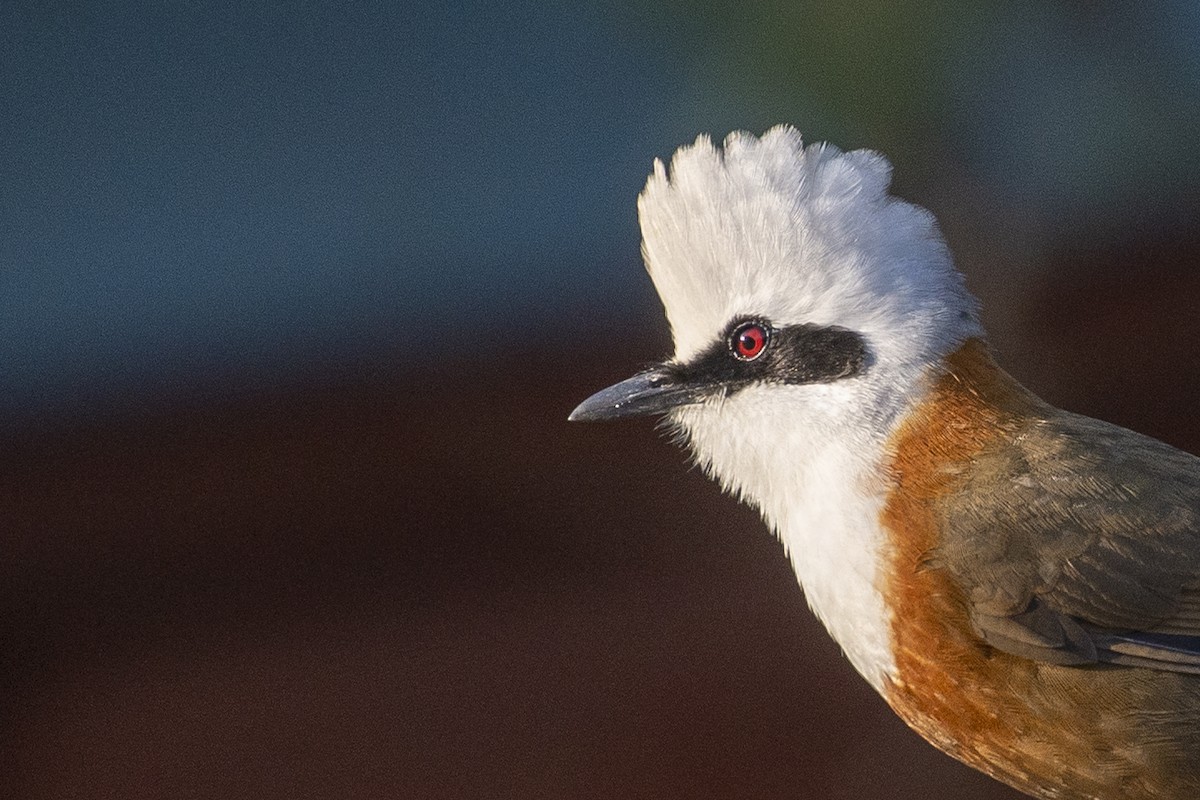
654,391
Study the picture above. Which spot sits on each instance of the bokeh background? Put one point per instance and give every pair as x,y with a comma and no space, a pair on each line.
295,299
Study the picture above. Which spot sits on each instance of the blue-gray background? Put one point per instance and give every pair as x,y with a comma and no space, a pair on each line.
193,193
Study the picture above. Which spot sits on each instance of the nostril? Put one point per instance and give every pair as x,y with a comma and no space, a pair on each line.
661,376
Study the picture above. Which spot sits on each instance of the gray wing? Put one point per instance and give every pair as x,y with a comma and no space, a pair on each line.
1080,543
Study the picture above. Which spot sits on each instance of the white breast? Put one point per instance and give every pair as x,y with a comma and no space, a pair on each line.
821,488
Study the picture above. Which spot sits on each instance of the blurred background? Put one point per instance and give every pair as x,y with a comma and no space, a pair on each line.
295,300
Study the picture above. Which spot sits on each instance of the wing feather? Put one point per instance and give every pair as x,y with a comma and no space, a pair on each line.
1089,535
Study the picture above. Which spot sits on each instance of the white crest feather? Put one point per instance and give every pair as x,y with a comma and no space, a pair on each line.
796,234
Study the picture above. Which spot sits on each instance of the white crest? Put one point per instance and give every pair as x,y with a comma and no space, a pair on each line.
772,229
796,234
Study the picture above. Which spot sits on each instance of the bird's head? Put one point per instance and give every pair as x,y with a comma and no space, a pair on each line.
800,294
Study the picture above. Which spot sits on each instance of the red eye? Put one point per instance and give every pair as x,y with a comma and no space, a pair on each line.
749,340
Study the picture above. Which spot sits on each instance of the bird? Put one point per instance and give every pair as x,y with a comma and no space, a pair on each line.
1020,584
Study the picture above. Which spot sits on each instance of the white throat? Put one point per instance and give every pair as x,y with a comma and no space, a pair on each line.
819,482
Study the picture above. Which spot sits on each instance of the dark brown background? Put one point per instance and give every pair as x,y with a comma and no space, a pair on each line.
424,583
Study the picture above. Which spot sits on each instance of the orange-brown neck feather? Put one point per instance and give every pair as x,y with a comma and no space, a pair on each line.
946,686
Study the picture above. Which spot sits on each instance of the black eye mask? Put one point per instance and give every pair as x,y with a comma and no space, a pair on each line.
795,354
